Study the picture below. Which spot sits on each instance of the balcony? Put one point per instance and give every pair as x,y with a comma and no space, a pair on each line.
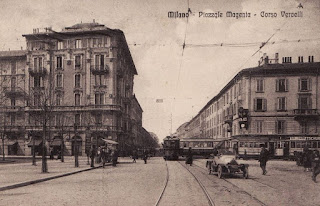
306,114
99,69
38,71
100,86
13,92
13,109
37,90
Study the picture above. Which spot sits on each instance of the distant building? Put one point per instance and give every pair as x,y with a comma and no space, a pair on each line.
76,84
273,104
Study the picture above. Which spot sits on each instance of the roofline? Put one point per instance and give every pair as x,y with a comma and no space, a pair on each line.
134,97
270,70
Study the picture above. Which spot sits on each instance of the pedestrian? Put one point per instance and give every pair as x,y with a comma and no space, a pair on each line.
263,158
134,156
315,165
245,155
51,155
189,157
115,158
59,155
306,158
215,152
92,155
103,156
145,156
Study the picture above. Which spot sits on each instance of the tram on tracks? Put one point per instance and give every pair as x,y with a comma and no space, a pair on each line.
171,148
282,149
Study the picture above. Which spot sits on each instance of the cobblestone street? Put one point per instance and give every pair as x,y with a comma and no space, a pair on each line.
141,184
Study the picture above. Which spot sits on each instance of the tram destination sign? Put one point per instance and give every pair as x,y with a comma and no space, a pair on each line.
304,138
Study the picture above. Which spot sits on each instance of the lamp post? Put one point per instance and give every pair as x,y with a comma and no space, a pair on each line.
76,159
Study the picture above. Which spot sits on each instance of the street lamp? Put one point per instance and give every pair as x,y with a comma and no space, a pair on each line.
76,158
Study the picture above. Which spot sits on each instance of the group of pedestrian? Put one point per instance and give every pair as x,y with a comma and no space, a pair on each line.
144,156
103,154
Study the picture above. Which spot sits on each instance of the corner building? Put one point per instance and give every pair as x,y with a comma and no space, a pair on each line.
275,104
77,85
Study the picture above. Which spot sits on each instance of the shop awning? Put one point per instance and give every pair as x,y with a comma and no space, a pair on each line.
37,142
108,141
56,142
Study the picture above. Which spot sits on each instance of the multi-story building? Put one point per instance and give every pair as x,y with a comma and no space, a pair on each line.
273,104
73,87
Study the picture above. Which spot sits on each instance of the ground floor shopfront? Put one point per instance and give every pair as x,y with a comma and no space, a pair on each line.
32,143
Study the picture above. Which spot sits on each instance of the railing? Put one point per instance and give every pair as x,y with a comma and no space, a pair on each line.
12,109
305,112
99,69
70,128
13,91
93,107
38,71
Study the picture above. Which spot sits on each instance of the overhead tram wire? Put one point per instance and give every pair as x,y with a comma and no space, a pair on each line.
262,45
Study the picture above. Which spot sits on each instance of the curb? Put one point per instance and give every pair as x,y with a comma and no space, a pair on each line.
45,179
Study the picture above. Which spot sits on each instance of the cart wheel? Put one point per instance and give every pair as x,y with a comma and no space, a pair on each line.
246,173
220,171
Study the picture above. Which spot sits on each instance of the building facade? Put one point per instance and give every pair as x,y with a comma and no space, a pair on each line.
72,88
273,104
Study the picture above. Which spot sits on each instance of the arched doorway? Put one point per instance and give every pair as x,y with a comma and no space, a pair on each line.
76,143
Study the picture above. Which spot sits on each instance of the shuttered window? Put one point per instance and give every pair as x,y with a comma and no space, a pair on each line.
260,104
305,84
282,85
281,104
280,127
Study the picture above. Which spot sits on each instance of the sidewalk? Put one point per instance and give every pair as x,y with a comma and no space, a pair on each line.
23,174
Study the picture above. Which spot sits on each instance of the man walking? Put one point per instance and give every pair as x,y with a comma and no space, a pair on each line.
315,165
92,155
263,158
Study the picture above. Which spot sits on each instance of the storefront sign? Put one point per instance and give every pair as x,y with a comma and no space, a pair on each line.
304,138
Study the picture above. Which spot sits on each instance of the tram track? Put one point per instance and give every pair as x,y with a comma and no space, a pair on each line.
210,202
242,190
165,186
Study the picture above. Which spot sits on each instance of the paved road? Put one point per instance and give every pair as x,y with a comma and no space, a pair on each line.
141,184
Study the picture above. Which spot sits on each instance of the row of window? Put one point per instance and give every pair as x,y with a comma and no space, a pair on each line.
280,127
72,43
98,78
304,102
99,61
98,99
282,85
225,99
300,59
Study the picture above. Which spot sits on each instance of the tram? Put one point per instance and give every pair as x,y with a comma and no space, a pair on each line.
171,148
282,149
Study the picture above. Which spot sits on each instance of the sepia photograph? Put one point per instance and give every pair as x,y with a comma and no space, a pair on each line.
159,102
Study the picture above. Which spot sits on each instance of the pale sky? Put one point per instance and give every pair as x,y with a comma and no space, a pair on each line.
216,48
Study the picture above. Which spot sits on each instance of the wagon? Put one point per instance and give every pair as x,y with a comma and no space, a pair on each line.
227,164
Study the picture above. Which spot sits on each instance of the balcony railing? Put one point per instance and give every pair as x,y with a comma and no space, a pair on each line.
99,69
38,71
306,112
13,92
105,107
